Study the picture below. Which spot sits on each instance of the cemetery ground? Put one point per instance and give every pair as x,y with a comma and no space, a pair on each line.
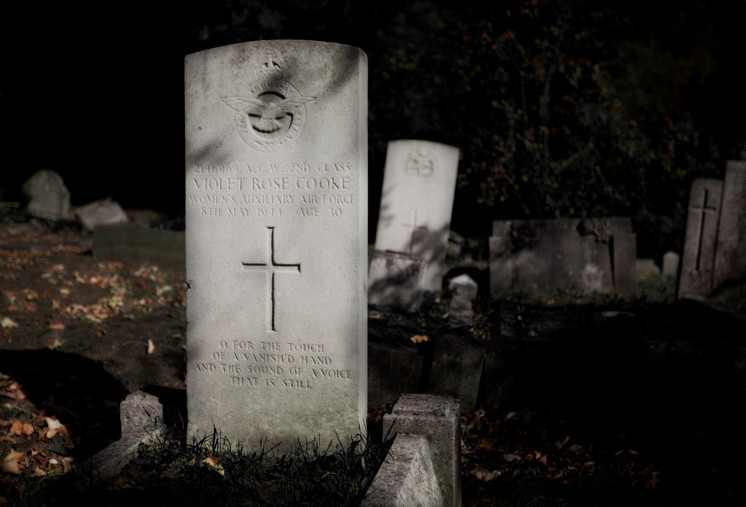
582,401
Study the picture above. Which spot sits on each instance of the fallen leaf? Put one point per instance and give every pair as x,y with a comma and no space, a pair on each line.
54,427
541,458
12,462
484,445
511,457
214,463
7,323
151,347
21,428
419,338
56,326
13,391
483,474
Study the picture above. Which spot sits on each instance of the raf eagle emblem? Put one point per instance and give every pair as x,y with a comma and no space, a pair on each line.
269,112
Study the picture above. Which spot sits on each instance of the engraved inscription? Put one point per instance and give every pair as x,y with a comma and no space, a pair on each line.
269,364
272,114
271,268
250,190
702,209
419,163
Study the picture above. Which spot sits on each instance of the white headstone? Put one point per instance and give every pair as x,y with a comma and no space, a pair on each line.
276,210
416,203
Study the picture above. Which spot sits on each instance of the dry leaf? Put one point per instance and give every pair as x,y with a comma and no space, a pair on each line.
7,323
214,463
541,458
54,427
21,428
13,391
484,474
151,347
511,457
12,462
56,326
419,338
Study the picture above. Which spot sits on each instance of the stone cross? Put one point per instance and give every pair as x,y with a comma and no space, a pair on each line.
413,225
701,210
271,268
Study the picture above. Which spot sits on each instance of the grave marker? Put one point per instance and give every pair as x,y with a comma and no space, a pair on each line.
47,195
542,256
730,261
701,232
276,242
416,204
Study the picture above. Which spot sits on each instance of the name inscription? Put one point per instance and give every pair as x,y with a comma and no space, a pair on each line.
272,189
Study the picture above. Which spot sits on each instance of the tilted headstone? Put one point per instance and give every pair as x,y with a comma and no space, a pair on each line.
47,195
730,261
276,240
700,238
416,203
542,256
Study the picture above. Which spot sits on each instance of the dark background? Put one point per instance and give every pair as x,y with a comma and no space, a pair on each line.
94,90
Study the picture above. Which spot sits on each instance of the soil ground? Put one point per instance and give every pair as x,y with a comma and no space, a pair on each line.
647,409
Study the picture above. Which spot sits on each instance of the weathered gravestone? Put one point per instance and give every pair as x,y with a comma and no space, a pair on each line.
416,204
715,234
698,259
276,240
48,197
730,261
543,256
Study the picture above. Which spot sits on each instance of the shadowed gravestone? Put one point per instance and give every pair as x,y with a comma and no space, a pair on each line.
698,259
543,256
276,240
416,204
715,234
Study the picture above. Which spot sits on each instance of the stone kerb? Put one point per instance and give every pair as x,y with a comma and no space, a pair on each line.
141,419
435,419
407,478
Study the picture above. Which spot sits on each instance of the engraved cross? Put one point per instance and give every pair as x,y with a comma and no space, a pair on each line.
703,209
413,225
271,268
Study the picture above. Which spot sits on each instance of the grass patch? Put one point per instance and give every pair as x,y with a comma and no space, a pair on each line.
213,471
